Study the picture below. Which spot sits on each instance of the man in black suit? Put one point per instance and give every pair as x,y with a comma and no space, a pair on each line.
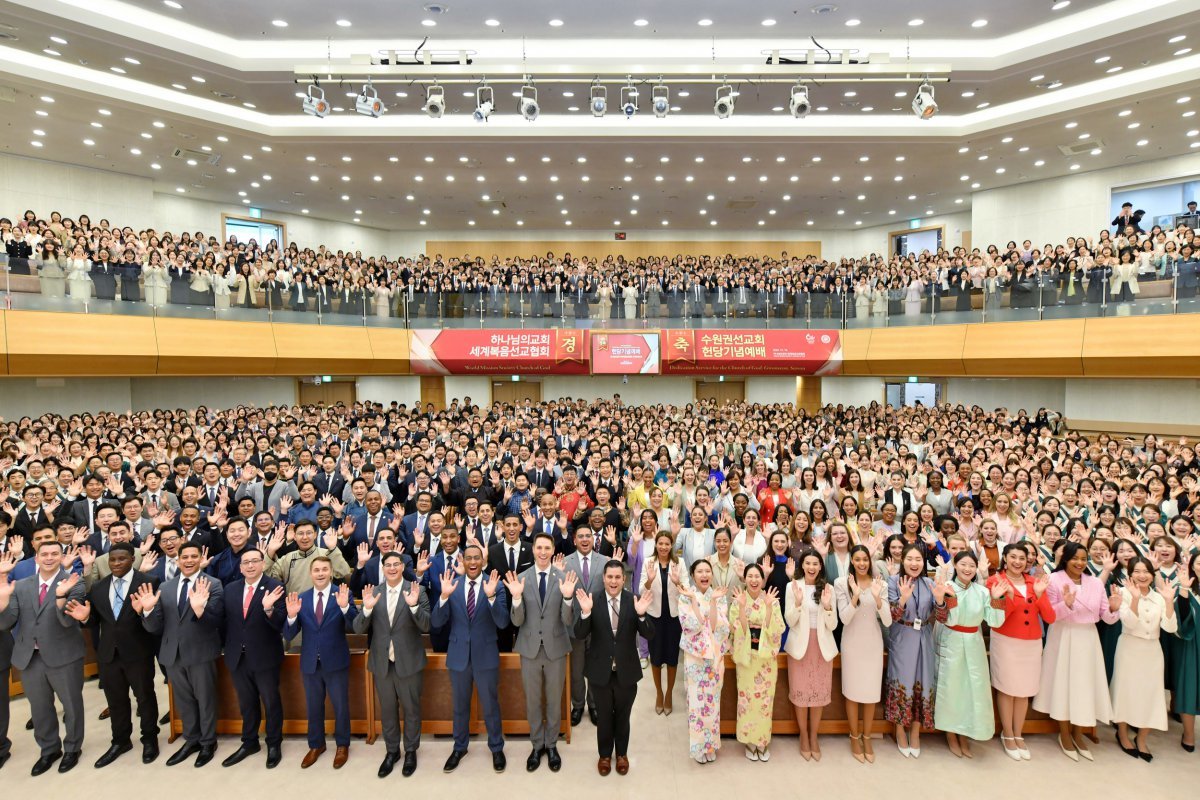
613,669
329,480
83,509
125,656
511,555
254,654
540,477
32,513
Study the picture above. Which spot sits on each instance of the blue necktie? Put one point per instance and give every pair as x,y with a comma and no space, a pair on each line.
118,597
542,585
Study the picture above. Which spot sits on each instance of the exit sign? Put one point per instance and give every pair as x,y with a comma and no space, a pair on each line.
619,236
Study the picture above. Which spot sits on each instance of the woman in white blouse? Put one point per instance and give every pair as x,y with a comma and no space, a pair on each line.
808,609
750,543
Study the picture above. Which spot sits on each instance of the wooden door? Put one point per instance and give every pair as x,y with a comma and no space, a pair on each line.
328,393
433,390
722,391
510,392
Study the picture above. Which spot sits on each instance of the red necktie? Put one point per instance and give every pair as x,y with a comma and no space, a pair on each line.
246,602
42,593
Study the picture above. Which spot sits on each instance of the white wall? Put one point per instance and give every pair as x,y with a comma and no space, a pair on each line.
384,389
1073,205
641,389
851,391
478,388
991,393
769,389
859,242
47,186
1167,402
34,396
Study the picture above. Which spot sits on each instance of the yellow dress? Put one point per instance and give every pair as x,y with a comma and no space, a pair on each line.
757,669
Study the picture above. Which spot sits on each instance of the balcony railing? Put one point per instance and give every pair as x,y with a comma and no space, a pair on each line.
23,286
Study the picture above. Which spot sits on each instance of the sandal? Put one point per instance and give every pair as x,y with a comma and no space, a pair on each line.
856,749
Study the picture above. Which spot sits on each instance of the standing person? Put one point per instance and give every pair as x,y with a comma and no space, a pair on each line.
542,609
254,654
1147,611
48,649
864,612
1074,690
1187,665
612,659
125,656
474,655
1016,646
396,657
964,692
661,581
811,618
588,568
323,615
704,617
187,612
757,628
911,656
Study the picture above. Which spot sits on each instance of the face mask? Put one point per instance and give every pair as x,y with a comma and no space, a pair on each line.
270,476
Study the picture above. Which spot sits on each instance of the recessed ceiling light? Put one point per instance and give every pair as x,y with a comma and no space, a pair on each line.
1023,149
979,23
983,105
704,23
279,23
117,70
836,178
197,79
183,88
1060,5
158,124
850,93
133,61
1183,52
42,113
1074,166
429,23
343,23
492,23
97,125
1185,114
1070,125
683,93
1036,78
1177,39
1143,142
1125,113
58,40
1182,100
1103,59
172,4
556,23
913,23
641,23
50,52
1134,125
1111,70
853,23
145,135
767,23
1039,163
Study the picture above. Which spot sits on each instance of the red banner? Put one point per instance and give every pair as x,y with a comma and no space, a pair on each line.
517,352
745,352
622,353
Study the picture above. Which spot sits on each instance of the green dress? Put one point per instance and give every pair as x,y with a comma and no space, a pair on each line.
1110,633
1169,641
1186,669
964,686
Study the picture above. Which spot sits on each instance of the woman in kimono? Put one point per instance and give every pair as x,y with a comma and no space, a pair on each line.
704,617
964,691
1074,688
1016,646
757,628
1147,611
911,656
1187,654
862,608
811,617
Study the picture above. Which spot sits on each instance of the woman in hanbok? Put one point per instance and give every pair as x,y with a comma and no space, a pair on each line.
862,607
1187,655
811,617
704,617
964,691
1147,611
1016,646
911,656
1074,688
757,628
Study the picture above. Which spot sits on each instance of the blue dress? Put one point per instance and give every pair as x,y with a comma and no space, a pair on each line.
912,658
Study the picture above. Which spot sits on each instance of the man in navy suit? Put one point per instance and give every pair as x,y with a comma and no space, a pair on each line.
324,616
447,558
254,654
417,521
474,610
375,518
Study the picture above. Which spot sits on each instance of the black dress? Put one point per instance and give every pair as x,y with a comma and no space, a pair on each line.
664,645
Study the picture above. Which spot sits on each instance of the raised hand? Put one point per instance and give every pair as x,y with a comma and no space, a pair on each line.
907,585
1039,586
65,586
413,595
999,589
343,597
878,590
78,611
1164,589
329,539
773,594
559,561
1114,598
642,604
363,552
87,557
491,583
293,605
567,585
271,598
370,597
585,601
449,584
1068,596
198,597
513,585
149,561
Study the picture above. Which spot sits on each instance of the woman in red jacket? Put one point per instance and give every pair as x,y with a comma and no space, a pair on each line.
1016,646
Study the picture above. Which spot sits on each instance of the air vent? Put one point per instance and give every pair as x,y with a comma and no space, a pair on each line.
195,155
741,205
493,203
1079,148
223,95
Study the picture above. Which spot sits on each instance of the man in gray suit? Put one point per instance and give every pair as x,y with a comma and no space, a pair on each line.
48,649
588,568
188,612
269,489
396,658
543,610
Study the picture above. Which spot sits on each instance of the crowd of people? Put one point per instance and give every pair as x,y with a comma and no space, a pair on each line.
999,560
81,260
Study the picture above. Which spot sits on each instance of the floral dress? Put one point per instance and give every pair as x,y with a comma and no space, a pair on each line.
704,648
912,660
755,648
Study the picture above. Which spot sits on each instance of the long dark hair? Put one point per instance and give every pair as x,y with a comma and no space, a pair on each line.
822,579
1068,552
852,575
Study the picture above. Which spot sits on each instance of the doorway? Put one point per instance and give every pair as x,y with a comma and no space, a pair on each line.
329,394
433,390
721,391
516,391
911,393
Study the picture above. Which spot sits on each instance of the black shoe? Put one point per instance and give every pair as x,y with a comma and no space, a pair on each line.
576,716
4,758
241,754
389,762
112,754
553,759
1129,751
452,762
149,752
410,763
29,725
274,756
1147,757
593,715
165,718
1187,748
499,762
181,755
534,761
69,761
44,764
206,755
